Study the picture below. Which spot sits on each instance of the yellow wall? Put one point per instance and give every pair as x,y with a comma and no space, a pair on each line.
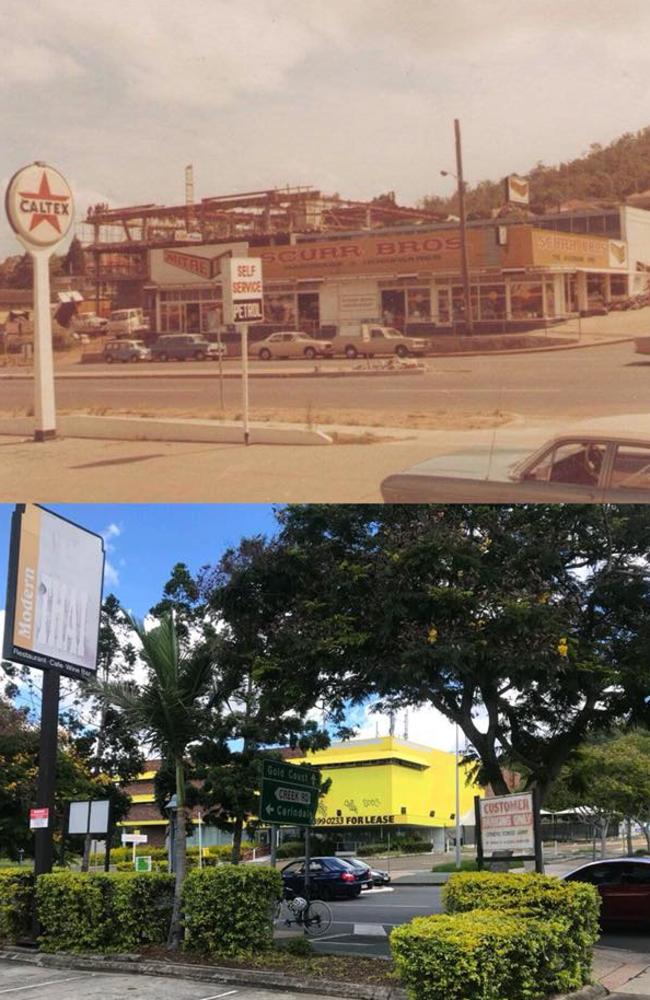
364,795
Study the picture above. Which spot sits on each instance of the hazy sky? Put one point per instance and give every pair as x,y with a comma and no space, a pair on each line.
354,96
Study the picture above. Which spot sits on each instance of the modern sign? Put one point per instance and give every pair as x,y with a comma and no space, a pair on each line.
242,290
508,824
90,816
517,190
289,793
39,819
39,205
134,838
143,863
54,593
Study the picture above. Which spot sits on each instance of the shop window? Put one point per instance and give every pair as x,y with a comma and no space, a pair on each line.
618,284
526,299
595,290
393,307
308,311
550,298
493,302
419,305
444,316
280,308
458,303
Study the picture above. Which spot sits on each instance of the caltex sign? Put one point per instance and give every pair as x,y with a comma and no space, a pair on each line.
39,205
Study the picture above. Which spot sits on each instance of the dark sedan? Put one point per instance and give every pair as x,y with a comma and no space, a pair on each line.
330,878
373,875
624,888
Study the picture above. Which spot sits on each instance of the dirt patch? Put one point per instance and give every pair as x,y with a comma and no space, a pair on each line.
312,418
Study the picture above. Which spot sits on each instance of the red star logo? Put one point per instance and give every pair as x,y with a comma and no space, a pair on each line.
44,195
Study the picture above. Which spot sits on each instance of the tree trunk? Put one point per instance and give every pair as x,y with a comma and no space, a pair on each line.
175,937
107,849
628,836
603,838
236,840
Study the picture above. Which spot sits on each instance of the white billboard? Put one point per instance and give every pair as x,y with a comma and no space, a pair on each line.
54,593
196,265
508,824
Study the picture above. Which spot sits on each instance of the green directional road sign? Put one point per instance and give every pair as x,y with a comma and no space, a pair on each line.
289,793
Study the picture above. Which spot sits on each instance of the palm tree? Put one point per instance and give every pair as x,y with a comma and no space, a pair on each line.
168,710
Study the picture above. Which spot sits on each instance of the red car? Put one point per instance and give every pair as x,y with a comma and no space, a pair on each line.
624,888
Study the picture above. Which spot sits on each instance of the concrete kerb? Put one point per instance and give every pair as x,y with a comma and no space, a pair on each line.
263,979
160,429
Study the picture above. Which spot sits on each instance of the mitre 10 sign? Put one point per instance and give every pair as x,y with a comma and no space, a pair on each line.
242,290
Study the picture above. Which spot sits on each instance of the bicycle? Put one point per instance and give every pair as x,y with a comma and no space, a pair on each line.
314,916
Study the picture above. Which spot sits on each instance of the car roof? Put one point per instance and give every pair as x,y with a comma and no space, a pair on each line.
609,861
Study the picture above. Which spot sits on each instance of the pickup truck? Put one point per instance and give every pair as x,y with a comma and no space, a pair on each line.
370,339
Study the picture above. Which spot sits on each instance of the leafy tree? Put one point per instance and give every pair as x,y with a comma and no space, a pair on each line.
528,626
169,711
74,262
606,781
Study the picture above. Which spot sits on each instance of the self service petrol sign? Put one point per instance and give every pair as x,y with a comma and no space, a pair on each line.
289,793
242,290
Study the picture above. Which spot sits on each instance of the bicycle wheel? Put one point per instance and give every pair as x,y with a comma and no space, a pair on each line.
317,918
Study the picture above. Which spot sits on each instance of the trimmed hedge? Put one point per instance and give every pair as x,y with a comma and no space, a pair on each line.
103,912
16,892
482,955
539,896
229,909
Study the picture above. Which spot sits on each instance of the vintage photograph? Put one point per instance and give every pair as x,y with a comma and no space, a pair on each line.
334,251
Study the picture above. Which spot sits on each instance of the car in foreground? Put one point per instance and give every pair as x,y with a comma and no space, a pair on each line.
623,885
584,467
330,878
125,351
372,876
184,347
291,344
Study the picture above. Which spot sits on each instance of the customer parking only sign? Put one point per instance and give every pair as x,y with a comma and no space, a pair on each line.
242,290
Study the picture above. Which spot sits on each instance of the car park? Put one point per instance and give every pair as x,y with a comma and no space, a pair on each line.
291,344
623,885
584,467
185,346
125,351
329,877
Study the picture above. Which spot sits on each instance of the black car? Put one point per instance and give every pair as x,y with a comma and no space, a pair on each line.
364,870
330,878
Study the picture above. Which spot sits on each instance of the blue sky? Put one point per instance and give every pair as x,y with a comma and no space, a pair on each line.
350,96
143,542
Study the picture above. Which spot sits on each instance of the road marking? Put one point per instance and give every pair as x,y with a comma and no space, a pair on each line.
369,930
216,996
50,982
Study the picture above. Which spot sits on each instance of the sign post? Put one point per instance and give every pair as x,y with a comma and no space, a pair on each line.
243,303
508,829
290,796
54,593
40,210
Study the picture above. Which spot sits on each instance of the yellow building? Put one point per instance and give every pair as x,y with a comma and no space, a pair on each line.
390,787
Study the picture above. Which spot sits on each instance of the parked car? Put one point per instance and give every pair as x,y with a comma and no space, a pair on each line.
365,871
623,886
585,467
181,346
291,344
372,339
330,878
90,324
125,350
126,322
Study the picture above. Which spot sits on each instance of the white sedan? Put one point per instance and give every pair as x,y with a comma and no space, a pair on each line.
587,466
291,344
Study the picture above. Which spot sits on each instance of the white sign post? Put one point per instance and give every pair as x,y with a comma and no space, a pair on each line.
40,210
135,839
243,303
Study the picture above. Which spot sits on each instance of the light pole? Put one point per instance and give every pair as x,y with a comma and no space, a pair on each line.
458,861
469,318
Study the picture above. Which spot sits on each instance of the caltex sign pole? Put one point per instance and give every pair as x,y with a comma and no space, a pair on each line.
40,210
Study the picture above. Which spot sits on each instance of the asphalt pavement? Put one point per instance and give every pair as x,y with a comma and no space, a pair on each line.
601,380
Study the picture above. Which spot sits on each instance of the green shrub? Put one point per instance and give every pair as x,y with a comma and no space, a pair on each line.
99,912
300,946
291,849
229,909
372,850
539,896
482,955
414,846
16,892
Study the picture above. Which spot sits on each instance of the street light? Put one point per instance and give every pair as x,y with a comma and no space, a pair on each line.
469,319
458,862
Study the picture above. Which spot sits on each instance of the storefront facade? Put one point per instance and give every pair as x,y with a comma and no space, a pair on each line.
521,277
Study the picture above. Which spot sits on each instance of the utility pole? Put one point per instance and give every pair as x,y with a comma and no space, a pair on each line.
457,790
469,319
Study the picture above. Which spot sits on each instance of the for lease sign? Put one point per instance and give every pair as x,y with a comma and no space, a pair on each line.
243,290
507,824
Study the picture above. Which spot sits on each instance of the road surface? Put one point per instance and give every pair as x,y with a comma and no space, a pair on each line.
577,383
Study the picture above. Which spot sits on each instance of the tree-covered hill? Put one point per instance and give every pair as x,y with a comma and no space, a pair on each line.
607,173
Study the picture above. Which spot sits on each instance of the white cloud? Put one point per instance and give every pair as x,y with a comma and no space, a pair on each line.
111,575
425,725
